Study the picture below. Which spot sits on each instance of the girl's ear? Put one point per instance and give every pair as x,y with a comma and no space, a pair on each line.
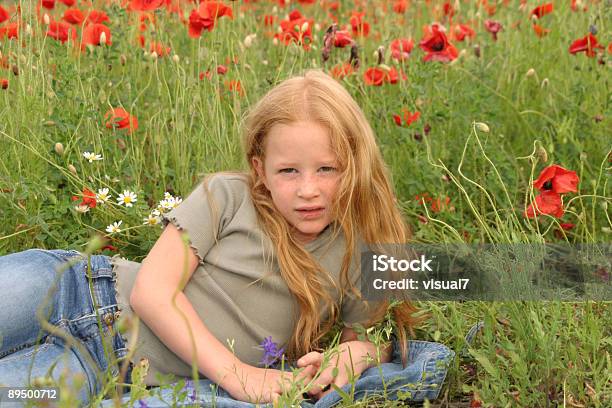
259,168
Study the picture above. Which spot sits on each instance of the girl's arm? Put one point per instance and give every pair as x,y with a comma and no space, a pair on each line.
151,300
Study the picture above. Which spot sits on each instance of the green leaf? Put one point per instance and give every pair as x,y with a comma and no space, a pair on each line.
485,363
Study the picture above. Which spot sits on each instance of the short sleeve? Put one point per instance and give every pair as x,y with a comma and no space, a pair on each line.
194,216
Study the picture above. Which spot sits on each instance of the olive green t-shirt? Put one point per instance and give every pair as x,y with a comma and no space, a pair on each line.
239,299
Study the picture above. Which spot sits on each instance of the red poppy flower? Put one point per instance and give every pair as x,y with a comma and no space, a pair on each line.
297,29
145,5
408,117
89,198
221,69
342,39
234,86
97,17
540,31
448,9
493,27
205,17
548,202
61,31
440,204
68,3
437,46
460,31
4,83
48,4
342,70
4,15
360,27
401,48
374,76
393,76
400,6
574,6
557,179
160,49
567,226
269,19
542,10
10,31
119,118
587,44
93,32
73,16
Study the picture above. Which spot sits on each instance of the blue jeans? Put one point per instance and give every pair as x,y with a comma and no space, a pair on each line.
96,346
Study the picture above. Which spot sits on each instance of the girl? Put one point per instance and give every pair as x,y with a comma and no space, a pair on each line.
272,258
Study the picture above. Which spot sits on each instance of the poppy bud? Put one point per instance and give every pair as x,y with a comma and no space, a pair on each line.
385,67
542,155
46,19
530,72
176,58
477,50
593,29
274,10
59,148
275,41
72,169
305,26
28,29
248,41
483,127
102,38
4,83
265,62
544,82
583,157
153,55
317,26
122,59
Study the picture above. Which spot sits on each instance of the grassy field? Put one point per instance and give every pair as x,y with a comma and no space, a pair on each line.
506,105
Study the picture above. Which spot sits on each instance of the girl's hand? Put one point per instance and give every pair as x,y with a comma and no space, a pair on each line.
350,361
264,385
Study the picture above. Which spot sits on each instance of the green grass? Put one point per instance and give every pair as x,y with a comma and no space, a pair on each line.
531,354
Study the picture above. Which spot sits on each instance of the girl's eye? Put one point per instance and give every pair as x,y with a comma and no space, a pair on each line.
286,170
329,169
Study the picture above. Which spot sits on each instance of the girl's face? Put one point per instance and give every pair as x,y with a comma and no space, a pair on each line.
300,171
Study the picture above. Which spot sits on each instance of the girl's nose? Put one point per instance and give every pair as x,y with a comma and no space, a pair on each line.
308,188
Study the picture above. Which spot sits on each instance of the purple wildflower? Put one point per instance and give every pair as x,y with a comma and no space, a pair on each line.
142,404
189,387
271,352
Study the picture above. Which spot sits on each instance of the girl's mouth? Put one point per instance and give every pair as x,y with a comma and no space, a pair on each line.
311,213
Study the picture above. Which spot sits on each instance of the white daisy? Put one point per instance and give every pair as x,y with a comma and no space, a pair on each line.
127,198
92,156
82,208
114,227
170,203
153,219
102,195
